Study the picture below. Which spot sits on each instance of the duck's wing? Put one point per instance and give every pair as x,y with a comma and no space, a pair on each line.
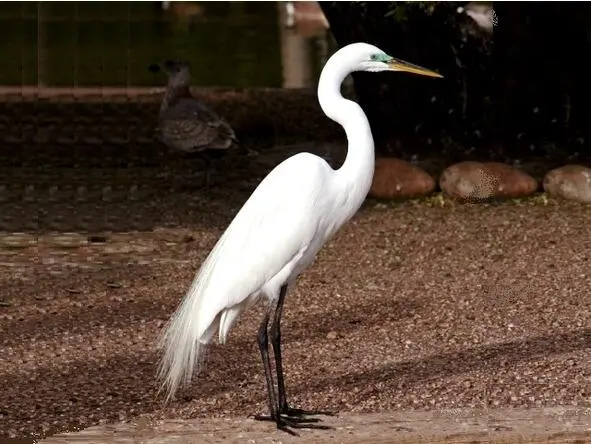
188,125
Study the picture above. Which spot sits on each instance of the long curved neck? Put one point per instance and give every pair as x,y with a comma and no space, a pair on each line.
356,173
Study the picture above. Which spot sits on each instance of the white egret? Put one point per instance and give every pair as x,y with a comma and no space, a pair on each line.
276,235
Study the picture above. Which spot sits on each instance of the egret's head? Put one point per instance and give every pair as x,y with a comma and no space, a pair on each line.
178,71
372,59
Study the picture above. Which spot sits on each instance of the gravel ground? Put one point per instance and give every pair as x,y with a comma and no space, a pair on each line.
412,306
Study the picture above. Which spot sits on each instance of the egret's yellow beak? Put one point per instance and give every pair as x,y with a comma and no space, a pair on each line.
401,65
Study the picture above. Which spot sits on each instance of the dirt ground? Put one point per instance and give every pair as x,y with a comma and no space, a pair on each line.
411,311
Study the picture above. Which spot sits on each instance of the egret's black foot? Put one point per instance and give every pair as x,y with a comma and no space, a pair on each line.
290,411
286,423
287,418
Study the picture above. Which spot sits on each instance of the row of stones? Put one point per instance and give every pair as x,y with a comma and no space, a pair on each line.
478,181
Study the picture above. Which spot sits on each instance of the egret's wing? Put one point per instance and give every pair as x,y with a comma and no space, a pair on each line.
276,224
273,227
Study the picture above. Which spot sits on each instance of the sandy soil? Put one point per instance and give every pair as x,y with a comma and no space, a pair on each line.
412,307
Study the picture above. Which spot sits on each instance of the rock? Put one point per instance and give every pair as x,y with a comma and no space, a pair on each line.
396,178
483,181
332,335
570,182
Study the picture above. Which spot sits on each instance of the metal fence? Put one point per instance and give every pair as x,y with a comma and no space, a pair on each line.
110,44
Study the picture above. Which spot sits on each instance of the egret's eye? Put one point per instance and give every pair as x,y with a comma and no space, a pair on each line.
380,58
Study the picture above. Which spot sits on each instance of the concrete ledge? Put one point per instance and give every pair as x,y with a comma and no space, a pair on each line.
148,93
549,425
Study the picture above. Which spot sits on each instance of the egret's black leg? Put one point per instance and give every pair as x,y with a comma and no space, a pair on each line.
275,332
283,422
264,348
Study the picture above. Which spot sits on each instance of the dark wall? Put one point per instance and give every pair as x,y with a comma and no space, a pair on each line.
542,91
504,95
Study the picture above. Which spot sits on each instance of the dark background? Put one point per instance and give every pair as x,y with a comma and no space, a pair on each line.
519,92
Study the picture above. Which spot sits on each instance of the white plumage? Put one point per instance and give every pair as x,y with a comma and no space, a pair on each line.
258,252
279,230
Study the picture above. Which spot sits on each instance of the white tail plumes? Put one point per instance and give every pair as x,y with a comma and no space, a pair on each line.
189,331
183,351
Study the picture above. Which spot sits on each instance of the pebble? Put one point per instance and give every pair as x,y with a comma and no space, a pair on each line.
569,182
332,335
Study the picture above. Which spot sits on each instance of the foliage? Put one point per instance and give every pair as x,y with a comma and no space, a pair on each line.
401,10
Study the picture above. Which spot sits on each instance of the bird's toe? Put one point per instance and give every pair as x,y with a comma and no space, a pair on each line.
291,411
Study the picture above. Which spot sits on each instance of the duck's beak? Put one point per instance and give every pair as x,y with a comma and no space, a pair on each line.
401,65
